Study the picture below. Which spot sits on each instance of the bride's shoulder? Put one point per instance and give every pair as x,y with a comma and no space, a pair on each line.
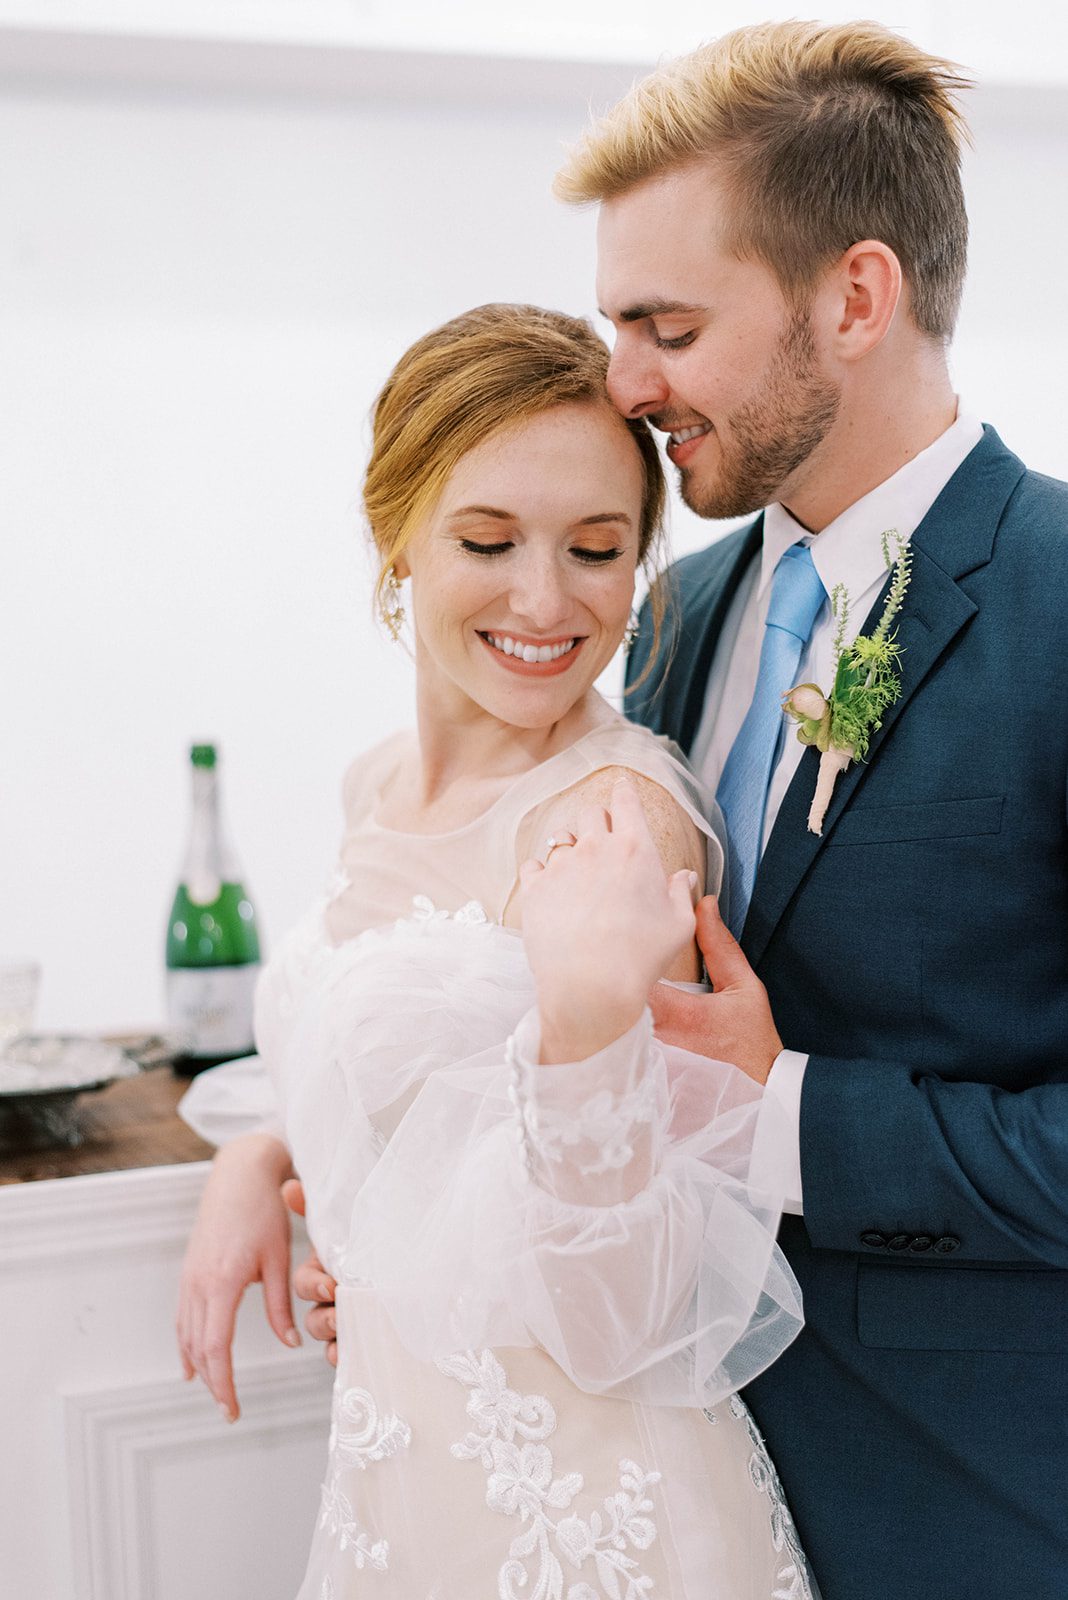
670,795
655,764
368,773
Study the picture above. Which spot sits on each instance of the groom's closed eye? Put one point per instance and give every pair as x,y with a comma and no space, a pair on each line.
678,343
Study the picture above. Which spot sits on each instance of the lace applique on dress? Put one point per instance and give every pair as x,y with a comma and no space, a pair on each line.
471,915
606,1121
509,1439
358,1436
794,1576
338,884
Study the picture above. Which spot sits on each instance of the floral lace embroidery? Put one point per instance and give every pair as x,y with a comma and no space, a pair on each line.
358,1436
794,1576
471,915
520,1482
338,883
605,1121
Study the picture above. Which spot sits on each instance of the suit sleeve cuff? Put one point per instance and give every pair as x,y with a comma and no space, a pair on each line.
776,1158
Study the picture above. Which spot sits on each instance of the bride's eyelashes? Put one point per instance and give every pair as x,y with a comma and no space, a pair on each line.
590,557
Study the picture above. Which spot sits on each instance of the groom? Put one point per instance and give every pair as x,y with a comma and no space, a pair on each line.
782,248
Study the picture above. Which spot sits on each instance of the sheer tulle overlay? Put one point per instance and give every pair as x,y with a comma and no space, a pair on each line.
552,1279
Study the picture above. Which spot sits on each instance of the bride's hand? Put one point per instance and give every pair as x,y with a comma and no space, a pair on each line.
241,1236
602,922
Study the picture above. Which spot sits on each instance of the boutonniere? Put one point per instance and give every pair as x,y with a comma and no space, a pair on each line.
841,724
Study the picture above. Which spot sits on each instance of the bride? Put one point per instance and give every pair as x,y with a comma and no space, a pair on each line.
553,1268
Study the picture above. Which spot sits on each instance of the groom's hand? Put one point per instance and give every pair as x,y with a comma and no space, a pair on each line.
734,1023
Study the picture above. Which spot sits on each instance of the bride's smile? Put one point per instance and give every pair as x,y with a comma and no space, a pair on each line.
539,658
523,573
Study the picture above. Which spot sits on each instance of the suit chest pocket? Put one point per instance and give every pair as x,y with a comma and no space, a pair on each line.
930,821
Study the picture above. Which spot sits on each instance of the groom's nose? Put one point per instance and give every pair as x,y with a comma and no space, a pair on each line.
636,381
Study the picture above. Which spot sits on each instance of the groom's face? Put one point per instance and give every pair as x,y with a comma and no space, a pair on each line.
709,348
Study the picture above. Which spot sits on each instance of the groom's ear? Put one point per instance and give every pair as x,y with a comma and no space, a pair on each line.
865,287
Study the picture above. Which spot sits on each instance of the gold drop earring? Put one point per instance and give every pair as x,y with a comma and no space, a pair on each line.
390,608
630,633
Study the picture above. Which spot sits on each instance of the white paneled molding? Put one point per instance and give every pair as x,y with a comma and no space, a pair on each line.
130,1484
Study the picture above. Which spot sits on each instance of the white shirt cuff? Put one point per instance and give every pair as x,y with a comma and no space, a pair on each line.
776,1159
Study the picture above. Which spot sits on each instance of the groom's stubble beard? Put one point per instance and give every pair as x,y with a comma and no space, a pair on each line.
773,434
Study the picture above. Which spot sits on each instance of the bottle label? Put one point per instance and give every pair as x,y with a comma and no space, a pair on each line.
211,1007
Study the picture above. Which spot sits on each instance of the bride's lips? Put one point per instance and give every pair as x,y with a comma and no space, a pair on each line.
535,669
682,454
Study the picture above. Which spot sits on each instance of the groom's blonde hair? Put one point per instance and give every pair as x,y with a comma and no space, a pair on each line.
825,136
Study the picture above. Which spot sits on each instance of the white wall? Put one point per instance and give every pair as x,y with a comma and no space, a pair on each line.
200,290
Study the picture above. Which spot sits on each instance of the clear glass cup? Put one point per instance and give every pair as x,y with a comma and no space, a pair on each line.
19,982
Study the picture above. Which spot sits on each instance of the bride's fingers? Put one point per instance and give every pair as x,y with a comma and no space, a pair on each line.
683,887
594,820
628,813
189,1371
218,1338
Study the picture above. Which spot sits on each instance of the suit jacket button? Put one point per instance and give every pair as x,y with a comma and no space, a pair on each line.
899,1241
874,1241
947,1244
921,1241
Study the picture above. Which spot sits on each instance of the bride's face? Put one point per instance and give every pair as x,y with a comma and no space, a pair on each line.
523,575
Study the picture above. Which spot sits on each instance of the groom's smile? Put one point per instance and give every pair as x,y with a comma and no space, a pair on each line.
708,347
683,439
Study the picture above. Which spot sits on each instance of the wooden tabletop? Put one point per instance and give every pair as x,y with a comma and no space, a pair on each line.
131,1123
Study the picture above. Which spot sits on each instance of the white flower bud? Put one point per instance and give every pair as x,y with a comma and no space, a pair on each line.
806,701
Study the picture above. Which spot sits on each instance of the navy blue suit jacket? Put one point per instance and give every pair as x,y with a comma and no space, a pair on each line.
919,952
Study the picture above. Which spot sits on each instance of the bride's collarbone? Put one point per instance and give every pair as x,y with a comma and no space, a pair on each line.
402,807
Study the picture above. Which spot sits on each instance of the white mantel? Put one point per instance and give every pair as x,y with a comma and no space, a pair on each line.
131,1486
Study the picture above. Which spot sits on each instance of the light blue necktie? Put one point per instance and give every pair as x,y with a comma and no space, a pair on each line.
796,597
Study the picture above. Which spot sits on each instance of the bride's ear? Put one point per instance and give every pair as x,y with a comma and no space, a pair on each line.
401,567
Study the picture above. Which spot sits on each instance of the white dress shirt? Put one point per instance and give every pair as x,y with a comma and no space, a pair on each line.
848,551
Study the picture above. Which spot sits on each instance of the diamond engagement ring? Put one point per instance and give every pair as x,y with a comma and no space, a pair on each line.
555,843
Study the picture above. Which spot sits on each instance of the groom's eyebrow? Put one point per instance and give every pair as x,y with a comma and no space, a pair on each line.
657,308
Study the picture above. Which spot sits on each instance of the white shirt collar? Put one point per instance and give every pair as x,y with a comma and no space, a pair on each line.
850,549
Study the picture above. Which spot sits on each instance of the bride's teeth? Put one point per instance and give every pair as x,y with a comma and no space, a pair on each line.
529,652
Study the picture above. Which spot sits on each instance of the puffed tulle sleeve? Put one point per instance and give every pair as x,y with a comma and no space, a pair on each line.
601,1210
228,1101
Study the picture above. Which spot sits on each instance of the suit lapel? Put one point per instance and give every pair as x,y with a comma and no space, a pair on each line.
955,538
703,615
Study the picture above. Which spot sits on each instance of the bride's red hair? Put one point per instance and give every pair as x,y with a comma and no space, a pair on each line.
485,372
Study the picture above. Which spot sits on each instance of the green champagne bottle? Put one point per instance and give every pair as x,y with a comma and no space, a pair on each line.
213,945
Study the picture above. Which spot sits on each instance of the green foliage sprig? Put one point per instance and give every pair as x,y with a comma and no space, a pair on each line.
866,684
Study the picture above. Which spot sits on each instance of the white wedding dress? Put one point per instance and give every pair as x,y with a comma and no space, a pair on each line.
551,1280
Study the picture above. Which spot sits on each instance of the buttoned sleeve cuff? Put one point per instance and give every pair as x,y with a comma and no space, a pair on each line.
776,1158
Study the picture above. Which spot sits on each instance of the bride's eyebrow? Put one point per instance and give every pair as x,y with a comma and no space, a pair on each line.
593,521
481,511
